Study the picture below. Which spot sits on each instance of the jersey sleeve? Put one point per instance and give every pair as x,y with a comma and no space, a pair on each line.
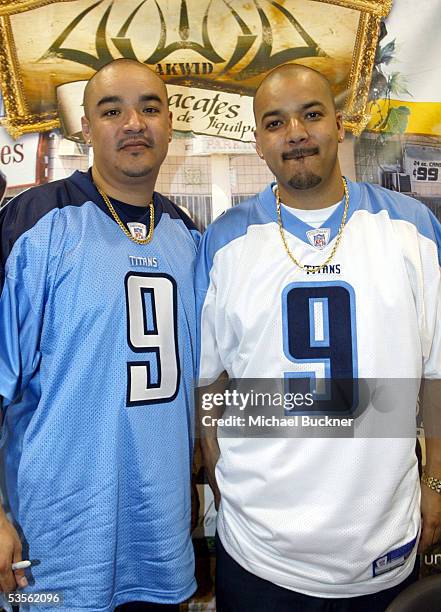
430,312
209,361
23,287
221,248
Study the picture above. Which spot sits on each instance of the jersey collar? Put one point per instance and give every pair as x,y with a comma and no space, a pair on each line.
85,182
298,228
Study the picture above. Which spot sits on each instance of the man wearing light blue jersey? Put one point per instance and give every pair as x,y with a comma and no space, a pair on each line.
97,322
323,280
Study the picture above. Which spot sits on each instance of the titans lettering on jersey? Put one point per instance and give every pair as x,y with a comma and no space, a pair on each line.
143,262
328,269
96,371
262,317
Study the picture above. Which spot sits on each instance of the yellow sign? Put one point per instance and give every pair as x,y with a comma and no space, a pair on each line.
423,117
224,45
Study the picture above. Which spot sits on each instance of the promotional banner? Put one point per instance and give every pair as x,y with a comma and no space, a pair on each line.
407,90
206,45
423,164
19,159
201,111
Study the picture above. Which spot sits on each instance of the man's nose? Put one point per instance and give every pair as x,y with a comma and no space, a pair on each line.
296,130
134,121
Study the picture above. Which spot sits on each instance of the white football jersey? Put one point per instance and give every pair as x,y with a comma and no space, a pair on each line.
326,516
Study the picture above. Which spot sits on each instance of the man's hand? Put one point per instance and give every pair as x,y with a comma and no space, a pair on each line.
431,500
195,503
10,552
210,454
209,444
431,518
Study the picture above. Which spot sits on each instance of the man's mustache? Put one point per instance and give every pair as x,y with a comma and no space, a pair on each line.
299,153
134,141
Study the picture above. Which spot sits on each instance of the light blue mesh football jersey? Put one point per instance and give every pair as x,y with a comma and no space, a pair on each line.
97,356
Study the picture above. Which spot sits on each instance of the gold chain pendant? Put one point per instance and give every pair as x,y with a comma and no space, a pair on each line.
337,240
114,214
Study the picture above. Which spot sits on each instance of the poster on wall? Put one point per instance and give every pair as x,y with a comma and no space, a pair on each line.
406,92
199,47
423,165
20,159
402,144
201,111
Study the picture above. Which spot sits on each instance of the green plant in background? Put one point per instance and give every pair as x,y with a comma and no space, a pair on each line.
396,120
391,120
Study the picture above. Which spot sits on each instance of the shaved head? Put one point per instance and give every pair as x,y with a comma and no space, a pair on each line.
111,66
287,71
128,123
297,133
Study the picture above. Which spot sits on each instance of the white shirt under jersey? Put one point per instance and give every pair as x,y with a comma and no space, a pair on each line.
329,517
314,217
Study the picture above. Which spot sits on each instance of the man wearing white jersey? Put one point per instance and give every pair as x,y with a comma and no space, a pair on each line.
318,278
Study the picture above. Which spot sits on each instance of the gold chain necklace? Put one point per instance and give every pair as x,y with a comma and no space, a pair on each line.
337,240
114,214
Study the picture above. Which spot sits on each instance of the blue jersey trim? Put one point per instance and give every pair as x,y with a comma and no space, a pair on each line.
231,225
261,209
400,207
294,225
362,196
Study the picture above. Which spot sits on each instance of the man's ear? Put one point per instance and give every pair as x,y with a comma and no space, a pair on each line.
258,149
85,128
340,128
170,126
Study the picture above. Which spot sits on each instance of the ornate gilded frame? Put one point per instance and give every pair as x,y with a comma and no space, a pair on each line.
19,120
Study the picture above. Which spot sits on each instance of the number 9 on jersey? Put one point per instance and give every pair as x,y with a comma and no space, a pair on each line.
152,331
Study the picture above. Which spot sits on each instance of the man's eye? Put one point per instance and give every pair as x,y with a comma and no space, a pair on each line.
313,115
150,109
113,112
273,124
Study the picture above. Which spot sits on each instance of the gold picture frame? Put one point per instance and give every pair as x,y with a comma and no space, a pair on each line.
20,119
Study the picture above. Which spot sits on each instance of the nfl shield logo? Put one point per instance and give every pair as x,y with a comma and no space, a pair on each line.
319,238
319,241
138,230
382,561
